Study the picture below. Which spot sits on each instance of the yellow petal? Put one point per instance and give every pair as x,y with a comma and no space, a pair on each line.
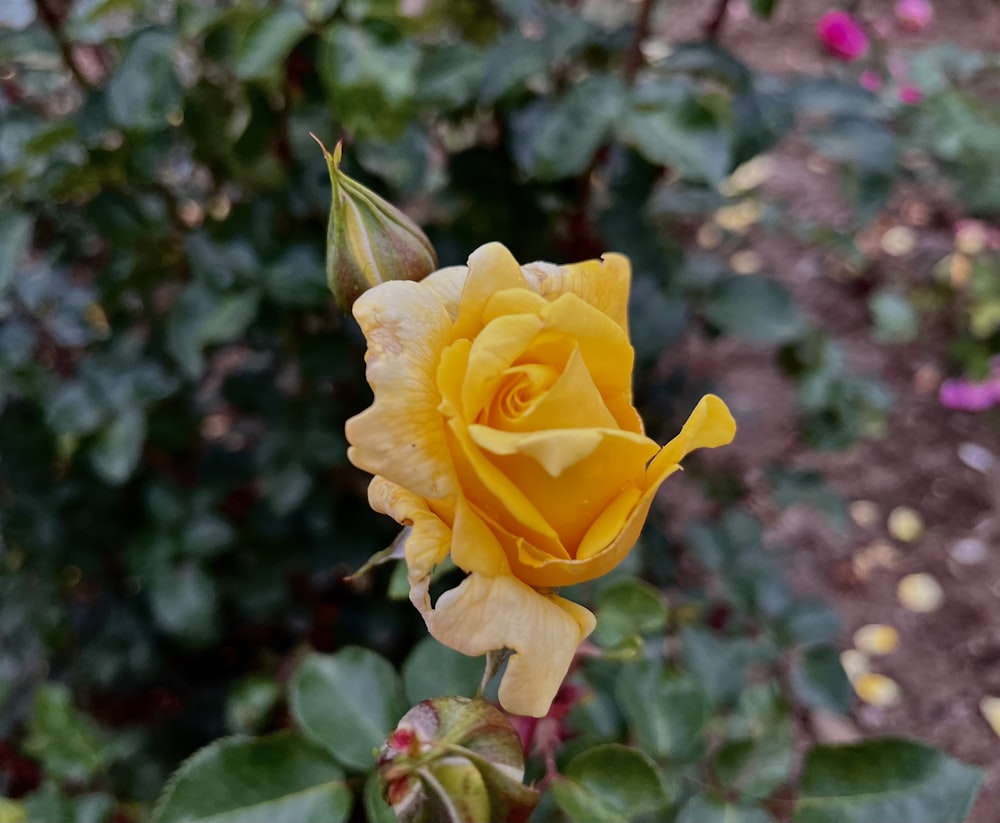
604,283
920,592
593,466
877,639
876,689
401,435
496,496
490,355
989,706
429,541
544,631
474,547
573,401
609,524
492,268
595,558
445,285
603,344
709,425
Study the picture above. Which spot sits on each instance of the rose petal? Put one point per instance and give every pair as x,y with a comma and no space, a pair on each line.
710,425
485,613
491,269
492,352
593,466
401,435
497,496
573,401
430,539
604,283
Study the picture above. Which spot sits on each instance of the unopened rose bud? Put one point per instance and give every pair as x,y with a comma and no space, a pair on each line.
369,240
455,760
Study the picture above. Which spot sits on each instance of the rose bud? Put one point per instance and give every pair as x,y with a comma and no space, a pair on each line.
369,241
452,759
842,35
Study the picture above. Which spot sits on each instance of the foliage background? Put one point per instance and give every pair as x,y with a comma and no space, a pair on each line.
177,511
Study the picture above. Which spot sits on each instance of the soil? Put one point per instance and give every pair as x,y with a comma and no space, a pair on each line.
943,464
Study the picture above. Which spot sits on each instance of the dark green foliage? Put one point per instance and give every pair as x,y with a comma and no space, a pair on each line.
176,506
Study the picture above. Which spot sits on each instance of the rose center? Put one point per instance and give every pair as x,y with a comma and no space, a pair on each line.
520,390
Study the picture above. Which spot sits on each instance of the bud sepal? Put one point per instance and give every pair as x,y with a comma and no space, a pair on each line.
455,760
368,240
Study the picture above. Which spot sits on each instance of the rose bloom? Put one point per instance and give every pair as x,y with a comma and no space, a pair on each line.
841,35
914,15
503,434
910,95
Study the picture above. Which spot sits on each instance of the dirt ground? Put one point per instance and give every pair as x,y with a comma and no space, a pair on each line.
943,464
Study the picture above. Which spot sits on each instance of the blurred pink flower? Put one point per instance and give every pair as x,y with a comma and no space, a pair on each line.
914,15
841,35
910,95
870,80
972,236
972,395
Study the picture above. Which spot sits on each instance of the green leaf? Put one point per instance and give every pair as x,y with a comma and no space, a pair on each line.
347,702
627,607
144,89
888,780
755,308
756,766
709,658
63,739
276,779
609,784
450,75
202,316
808,621
895,319
656,320
511,62
117,450
819,680
250,703
434,670
666,712
557,137
15,235
370,75
267,42
671,125
75,407
184,602
206,535
764,8
704,809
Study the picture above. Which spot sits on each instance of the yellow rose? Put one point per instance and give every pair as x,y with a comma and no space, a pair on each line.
503,433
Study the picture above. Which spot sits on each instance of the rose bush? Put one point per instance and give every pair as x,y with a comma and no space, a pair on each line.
503,433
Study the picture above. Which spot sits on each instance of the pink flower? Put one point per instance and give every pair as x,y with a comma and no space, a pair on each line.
914,15
841,35
870,80
973,236
910,95
969,395
972,395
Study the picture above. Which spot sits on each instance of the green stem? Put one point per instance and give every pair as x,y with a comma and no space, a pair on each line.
53,22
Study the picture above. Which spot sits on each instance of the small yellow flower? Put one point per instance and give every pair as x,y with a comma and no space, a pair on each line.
876,689
503,433
876,639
